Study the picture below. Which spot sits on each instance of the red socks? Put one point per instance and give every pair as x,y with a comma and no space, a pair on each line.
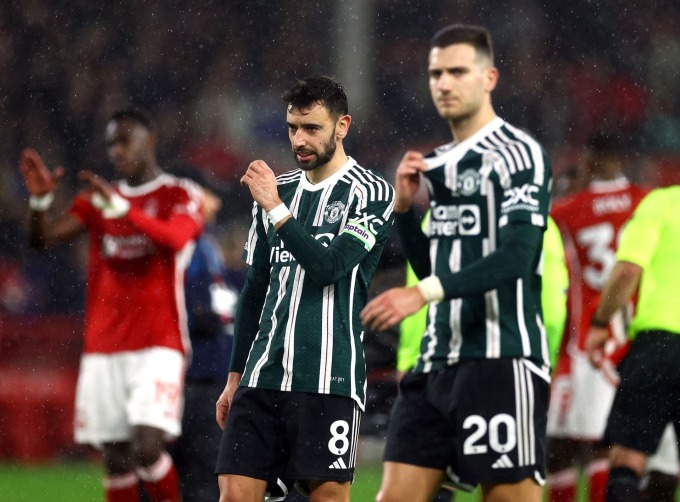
597,472
160,480
562,485
121,487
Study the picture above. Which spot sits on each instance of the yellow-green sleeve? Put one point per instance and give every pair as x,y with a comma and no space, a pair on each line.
555,285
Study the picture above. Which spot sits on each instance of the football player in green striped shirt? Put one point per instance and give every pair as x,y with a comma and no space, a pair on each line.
474,409
646,399
297,378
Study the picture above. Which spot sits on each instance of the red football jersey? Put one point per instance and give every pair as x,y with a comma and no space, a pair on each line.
135,296
591,222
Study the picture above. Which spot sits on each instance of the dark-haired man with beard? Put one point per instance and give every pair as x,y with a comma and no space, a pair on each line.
295,391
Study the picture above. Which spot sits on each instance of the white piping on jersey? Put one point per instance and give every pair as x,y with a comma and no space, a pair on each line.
493,329
360,177
456,306
182,260
252,236
330,181
545,350
432,314
280,294
149,186
536,153
295,201
353,363
521,322
325,195
289,338
489,245
507,158
542,372
326,354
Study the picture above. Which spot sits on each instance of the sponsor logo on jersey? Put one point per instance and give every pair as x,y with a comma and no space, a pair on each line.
449,221
522,197
126,247
333,212
468,182
279,254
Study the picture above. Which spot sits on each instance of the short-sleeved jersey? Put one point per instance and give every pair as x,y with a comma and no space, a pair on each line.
309,337
135,296
651,240
590,222
498,176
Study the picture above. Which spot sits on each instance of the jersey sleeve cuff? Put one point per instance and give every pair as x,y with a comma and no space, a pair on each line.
431,288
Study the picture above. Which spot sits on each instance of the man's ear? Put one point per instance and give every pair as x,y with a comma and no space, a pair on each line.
342,127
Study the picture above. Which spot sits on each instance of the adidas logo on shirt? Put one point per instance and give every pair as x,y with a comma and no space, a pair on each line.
338,464
503,462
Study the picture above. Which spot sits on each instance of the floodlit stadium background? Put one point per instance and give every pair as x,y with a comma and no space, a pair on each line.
212,74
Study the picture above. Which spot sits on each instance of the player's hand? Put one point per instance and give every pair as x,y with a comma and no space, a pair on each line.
224,402
261,181
595,343
105,198
408,180
390,307
39,180
100,185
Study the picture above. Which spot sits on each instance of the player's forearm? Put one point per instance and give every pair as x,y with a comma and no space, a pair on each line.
514,259
45,232
324,265
623,281
415,243
173,233
247,317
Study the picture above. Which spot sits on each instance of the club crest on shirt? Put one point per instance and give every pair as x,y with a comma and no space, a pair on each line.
333,212
468,182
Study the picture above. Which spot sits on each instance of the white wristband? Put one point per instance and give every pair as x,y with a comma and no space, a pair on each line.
431,288
41,202
112,207
278,213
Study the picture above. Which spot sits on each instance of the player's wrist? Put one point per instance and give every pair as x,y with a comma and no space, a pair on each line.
431,288
41,203
278,214
112,207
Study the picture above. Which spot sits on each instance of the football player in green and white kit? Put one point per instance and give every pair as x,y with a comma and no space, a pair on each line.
473,410
296,387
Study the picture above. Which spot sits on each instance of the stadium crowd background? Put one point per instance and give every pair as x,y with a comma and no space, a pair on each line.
211,73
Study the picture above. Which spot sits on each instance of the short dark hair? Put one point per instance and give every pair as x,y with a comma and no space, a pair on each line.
138,115
604,144
476,36
321,89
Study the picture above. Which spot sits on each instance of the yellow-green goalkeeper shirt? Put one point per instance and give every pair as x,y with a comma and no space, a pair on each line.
651,240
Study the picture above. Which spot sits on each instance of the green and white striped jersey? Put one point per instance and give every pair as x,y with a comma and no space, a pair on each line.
497,176
310,332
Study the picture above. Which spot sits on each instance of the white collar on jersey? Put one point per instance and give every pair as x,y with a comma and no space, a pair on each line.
144,188
332,179
601,186
458,150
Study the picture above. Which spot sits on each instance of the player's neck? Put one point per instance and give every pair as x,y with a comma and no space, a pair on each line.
148,173
329,169
464,128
